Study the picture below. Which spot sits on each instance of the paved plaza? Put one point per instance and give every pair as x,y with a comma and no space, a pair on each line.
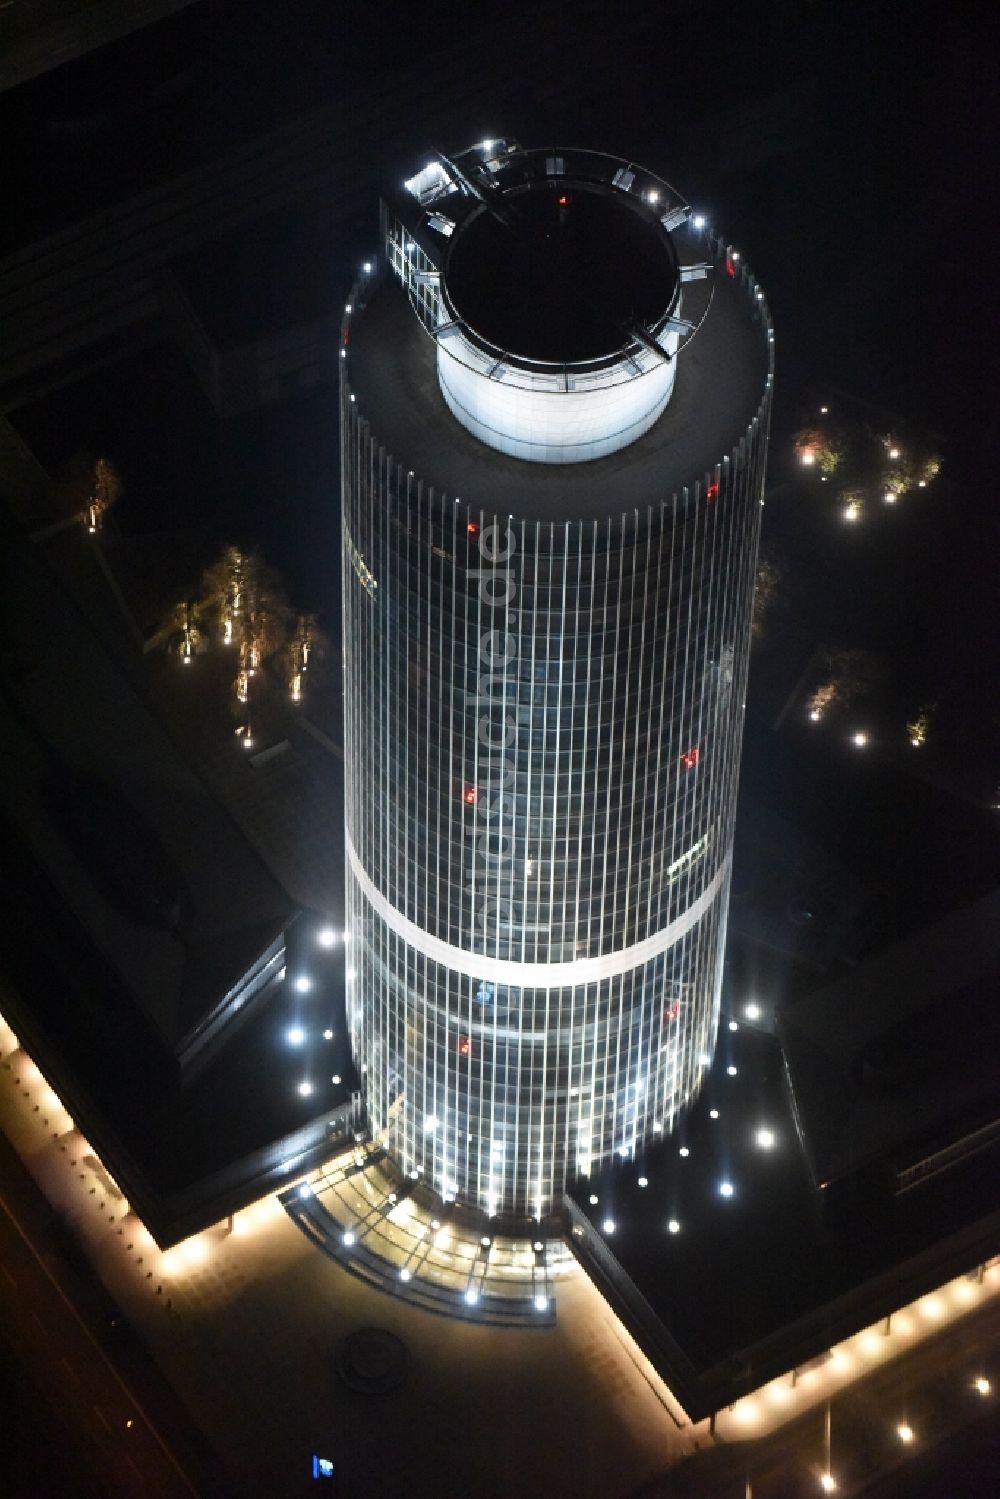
246,1320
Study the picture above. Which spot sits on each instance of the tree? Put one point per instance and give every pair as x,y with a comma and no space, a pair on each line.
183,632
307,647
849,674
242,605
766,592
919,727
820,449
105,490
85,491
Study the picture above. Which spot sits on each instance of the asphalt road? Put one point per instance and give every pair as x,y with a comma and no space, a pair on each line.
80,1393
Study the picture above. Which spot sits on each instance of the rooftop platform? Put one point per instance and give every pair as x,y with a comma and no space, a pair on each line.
721,377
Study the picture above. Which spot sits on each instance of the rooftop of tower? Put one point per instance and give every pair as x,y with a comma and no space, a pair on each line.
561,271
721,380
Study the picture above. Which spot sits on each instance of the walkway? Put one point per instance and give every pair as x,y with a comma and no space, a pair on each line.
394,1234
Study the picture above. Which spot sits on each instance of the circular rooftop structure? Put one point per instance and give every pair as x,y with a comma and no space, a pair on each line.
551,285
560,272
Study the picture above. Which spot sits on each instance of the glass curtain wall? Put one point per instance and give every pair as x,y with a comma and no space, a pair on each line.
543,727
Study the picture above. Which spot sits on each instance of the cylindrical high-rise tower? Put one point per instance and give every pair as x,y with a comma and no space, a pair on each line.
554,416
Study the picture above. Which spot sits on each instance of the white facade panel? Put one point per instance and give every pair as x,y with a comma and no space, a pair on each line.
551,426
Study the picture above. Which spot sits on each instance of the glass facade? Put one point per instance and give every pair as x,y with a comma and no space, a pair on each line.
543,725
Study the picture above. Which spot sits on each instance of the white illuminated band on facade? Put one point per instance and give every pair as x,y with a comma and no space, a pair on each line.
533,975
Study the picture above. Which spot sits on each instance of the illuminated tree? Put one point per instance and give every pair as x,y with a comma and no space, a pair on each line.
766,592
85,491
821,699
905,466
105,490
224,588
848,675
870,465
821,449
183,632
306,648
245,599
918,728
242,605
265,613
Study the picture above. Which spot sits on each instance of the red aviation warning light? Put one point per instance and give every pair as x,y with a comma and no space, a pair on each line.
469,796
464,1046
472,528
712,491
672,1011
690,759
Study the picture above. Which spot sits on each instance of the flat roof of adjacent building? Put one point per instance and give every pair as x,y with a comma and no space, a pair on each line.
145,858
134,903
899,1056
727,1264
